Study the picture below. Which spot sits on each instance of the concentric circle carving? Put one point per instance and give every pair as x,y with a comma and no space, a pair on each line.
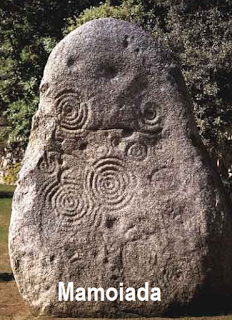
149,115
72,114
110,184
136,151
70,204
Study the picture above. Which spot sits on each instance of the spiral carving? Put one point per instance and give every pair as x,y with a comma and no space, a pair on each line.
110,184
136,151
149,115
66,201
71,205
72,115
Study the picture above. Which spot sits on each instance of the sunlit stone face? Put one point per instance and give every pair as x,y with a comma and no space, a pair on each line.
113,189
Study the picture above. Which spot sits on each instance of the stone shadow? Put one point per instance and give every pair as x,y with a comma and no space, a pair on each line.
6,277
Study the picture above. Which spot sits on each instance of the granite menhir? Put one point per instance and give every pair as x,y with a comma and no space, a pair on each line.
116,188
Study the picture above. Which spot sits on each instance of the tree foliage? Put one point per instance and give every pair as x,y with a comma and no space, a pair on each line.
198,32
29,30
200,35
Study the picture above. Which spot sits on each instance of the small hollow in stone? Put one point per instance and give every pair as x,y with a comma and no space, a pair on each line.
83,146
110,222
127,132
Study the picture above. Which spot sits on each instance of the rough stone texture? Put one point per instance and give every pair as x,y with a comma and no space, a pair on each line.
116,185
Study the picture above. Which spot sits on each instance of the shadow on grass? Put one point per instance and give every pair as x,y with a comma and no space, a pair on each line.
204,307
6,194
6,191
6,277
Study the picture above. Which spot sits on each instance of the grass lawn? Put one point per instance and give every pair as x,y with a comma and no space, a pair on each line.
12,306
6,193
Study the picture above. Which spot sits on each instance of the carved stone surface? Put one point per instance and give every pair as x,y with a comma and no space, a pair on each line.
116,186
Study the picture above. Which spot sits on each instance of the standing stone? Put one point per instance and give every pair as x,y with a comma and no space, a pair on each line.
116,186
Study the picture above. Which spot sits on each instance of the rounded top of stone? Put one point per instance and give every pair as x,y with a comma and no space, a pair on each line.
115,29
107,74
106,38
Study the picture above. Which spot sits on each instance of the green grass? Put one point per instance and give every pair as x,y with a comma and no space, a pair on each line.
5,209
6,193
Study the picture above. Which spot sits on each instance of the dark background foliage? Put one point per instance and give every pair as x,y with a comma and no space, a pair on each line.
198,32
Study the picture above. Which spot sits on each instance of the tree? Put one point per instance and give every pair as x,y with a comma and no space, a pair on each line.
198,32
29,30
200,35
